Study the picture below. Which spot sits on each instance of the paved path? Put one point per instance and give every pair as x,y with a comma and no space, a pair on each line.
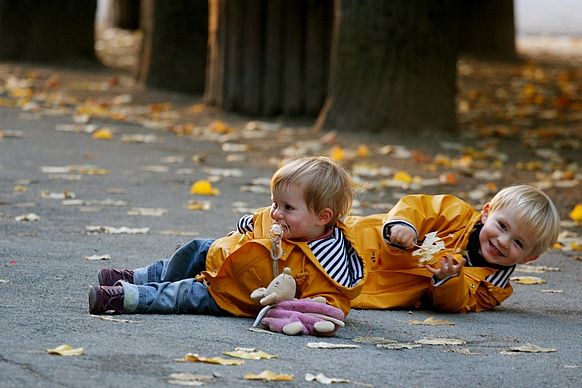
44,279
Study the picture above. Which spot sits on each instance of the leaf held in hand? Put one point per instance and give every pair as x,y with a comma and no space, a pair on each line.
430,246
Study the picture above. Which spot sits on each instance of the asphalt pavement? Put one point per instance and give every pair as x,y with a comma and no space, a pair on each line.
72,181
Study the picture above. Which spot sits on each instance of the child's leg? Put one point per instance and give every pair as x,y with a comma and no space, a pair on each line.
183,296
188,261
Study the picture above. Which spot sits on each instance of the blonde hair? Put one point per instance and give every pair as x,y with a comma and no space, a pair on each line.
325,184
536,211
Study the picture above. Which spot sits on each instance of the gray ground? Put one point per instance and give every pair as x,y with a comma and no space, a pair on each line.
44,279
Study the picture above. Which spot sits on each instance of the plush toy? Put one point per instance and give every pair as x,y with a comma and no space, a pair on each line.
285,314
304,316
281,288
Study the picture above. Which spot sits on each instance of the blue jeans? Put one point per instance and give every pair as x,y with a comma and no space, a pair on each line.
169,287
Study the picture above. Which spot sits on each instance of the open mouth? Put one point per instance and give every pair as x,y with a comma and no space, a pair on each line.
494,250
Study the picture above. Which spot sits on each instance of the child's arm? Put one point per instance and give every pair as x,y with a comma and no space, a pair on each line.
423,214
469,291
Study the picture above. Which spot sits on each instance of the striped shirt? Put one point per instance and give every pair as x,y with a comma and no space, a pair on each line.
335,254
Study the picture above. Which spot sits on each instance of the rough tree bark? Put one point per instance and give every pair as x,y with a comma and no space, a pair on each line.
51,30
175,44
269,57
487,29
393,66
123,14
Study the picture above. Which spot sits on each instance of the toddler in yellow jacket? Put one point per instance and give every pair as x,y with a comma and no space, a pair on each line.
207,276
481,250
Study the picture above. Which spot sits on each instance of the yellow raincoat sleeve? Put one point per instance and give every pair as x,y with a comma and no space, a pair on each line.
469,292
447,214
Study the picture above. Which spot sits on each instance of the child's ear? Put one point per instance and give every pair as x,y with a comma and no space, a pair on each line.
485,212
325,216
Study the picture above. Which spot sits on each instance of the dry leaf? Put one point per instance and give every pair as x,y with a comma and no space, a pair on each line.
430,246
398,346
114,230
267,375
552,291
576,213
203,187
249,354
322,379
466,351
66,350
191,357
195,205
327,345
97,257
103,134
190,379
441,341
27,217
527,268
107,318
528,348
150,212
528,280
373,340
430,321
140,138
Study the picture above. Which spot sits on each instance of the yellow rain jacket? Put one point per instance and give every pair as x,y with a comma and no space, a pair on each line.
240,263
396,281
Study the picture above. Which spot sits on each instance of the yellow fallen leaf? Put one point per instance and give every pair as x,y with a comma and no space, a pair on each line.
430,321
402,176
203,187
102,134
65,350
191,357
363,151
250,354
337,153
576,213
267,375
198,205
528,280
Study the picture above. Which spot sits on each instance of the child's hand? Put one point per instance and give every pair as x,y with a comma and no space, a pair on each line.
403,236
448,267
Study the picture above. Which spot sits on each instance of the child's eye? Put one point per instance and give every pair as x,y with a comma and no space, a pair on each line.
501,225
519,244
288,207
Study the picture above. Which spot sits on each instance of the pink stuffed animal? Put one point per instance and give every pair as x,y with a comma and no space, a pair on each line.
304,316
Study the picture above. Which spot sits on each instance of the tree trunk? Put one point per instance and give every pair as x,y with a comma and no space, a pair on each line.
51,30
487,29
174,45
123,14
393,66
269,57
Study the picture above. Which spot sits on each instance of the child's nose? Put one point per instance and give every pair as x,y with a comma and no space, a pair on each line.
504,239
276,214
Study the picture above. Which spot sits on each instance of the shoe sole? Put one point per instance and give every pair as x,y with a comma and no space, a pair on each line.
101,279
92,299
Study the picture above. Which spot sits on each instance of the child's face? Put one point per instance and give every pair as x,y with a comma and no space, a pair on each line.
501,240
291,212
